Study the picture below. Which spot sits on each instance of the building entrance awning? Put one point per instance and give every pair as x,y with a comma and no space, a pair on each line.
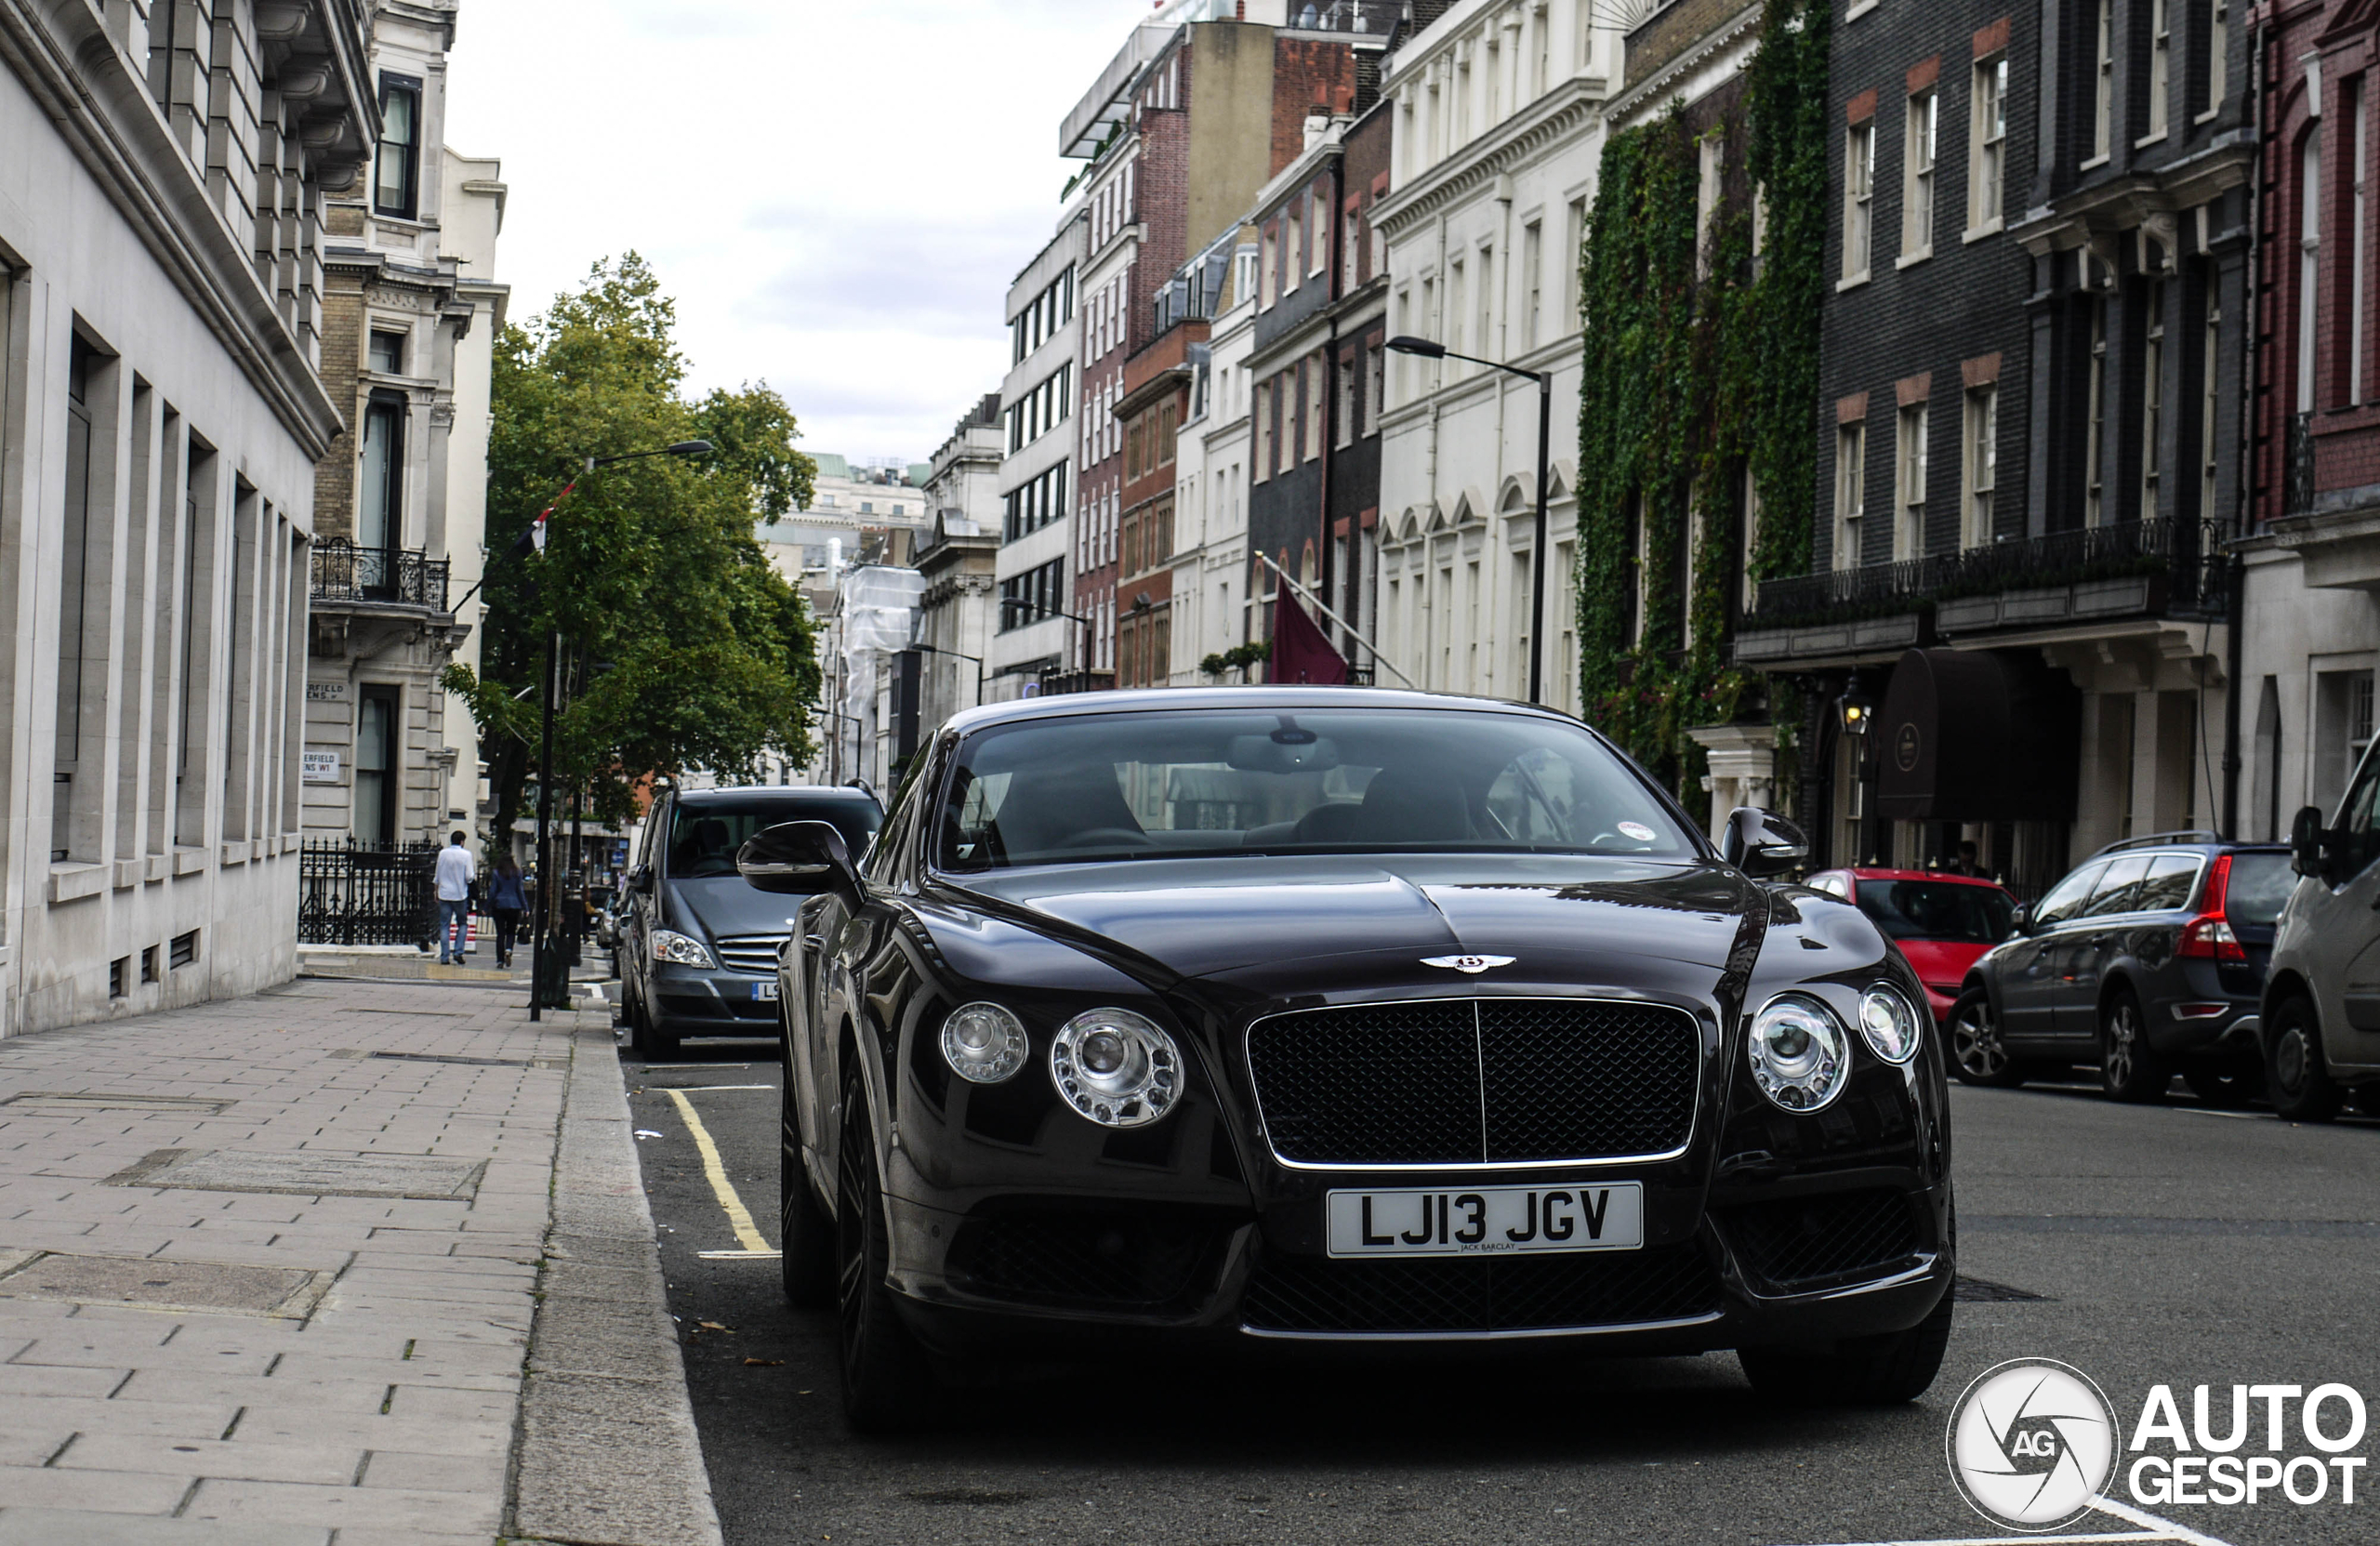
1977,735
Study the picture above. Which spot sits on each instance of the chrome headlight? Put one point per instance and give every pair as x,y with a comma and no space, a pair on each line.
983,1043
1888,1024
1798,1053
1115,1067
671,945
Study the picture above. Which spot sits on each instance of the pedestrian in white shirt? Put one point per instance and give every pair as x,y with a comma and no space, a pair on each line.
456,870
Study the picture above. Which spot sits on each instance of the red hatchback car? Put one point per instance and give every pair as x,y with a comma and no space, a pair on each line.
1941,922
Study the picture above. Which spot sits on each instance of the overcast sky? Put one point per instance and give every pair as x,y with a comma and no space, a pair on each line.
836,191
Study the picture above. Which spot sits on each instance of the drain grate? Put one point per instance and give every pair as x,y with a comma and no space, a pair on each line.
556,1063
36,1100
439,1014
282,1293
1977,1291
308,1175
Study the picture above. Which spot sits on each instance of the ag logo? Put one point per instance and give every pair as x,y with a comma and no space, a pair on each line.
2032,1443
1905,747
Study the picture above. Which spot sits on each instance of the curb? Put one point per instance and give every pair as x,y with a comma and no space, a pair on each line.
606,1449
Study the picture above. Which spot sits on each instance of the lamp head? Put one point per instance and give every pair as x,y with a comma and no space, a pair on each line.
691,448
1407,344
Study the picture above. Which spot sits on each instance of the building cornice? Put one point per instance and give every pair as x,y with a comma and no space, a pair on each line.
2101,209
1569,108
1721,38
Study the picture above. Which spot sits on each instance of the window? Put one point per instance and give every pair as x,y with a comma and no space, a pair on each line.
1917,176
1456,301
1343,398
2160,63
387,352
1351,245
1909,495
1031,597
377,734
1375,386
1533,282
1981,470
148,969
1268,278
1318,229
1858,194
2094,438
2210,400
1850,493
2103,88
2152,400
76,786
2309,248
1263,431
2219,54
1987,172
396,179
2351,324
1487,302
380,484
1292,246
181,950
1572,277
1711,163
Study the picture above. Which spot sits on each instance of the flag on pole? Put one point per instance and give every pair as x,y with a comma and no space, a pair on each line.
534,538
1301,652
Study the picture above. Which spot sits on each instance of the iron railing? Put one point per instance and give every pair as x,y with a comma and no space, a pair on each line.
2185,554
2297,478
342,572
351,892
1343,16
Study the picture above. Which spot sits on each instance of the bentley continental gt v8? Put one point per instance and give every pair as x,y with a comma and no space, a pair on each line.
1289,1018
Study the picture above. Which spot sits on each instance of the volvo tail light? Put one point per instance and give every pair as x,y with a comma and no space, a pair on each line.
2208,937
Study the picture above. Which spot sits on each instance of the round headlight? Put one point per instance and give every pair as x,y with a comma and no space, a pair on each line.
1798,1053
1889,1025
983,1043
1115,1067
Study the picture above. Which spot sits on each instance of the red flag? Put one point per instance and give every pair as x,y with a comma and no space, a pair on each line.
1300,653
534,538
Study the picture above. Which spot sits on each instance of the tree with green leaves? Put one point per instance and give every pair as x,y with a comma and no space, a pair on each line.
680,646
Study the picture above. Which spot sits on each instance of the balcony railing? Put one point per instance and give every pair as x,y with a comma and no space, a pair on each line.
2185,554
405,576
1343,16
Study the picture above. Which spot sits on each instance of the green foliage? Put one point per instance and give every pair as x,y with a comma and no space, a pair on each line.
681,647
1699,361
1239,657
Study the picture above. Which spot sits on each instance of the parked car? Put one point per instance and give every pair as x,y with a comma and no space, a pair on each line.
2148,959
1227,1020
2322,1001
698,947
1941,922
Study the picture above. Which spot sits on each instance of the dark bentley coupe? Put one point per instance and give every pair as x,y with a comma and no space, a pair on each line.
1166,1021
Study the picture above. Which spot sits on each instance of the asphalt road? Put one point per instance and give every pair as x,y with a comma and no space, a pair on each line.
2166,1245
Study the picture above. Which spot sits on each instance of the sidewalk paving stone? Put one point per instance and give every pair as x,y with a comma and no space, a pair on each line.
37,1526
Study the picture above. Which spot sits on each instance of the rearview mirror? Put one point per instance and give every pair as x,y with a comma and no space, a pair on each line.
2307,842
1760,844
797,858
1284,751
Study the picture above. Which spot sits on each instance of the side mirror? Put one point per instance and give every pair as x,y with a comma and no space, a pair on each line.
2021,920
2306,842
641,879
797,858
1760,844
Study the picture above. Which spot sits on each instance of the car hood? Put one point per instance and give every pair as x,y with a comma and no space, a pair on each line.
725,905
1313,918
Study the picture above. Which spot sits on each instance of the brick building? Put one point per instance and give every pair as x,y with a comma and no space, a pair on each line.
2312,580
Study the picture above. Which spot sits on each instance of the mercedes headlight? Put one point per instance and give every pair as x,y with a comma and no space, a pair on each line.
1888,1024
1798,1053
1115,1067
983,1043
671,945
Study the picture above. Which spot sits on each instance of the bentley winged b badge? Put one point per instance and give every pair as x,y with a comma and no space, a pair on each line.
1469,965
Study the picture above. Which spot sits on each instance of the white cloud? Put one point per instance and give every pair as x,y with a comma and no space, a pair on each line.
837,194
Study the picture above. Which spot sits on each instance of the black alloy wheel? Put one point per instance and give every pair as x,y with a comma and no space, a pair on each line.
2129,1068
1859,1371
2226,1085
2295,1075
805,1235
885,1379
1978,1055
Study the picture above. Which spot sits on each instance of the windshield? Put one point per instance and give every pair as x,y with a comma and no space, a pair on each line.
1212,781
703,838
2260,885
1937,910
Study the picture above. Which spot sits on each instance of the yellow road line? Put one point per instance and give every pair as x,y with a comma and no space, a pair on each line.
747,1235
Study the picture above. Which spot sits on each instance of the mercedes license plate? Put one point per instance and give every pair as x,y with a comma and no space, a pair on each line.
1487,1220
765,990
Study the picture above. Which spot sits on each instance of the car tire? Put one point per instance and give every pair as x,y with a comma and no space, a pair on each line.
645,1036
2129,1068
1972,1044
2226,1085
1859,1371
805,1235
885,1379
2295,1076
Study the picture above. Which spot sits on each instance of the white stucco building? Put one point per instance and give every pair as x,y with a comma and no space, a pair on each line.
162,194
1211,478
1038,477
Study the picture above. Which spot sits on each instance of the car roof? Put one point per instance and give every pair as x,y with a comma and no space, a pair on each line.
806,794
1858,873
1125,701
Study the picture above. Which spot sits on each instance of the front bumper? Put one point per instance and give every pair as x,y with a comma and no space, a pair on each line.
691,1001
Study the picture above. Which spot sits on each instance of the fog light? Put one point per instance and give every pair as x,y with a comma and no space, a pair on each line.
1115,1067
1888,1024
1797,1052
983,1043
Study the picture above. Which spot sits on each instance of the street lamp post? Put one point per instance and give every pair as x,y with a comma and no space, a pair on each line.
1544,379
548,892
936,649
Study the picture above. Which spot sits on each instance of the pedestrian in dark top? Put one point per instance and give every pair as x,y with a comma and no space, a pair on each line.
505,895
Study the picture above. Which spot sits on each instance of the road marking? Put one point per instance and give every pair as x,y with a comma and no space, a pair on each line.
2147,1521
701,1088
2209,1111
739,1255
747,1235
2151,1528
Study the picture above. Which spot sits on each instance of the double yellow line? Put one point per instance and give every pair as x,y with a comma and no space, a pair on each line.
739,1218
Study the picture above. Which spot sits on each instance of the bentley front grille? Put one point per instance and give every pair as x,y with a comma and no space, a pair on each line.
1468,1081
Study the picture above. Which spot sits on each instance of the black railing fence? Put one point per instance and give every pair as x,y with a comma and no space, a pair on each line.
342,572
351,892
2186,554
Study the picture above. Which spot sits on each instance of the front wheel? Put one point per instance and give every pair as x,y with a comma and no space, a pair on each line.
885,1379
2129,1068
1978,1055
645,1036
1861,1371
2295,1075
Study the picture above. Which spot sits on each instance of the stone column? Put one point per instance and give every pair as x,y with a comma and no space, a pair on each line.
1743,768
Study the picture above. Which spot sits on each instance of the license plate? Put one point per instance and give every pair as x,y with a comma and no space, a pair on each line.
1488,1220
765,990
